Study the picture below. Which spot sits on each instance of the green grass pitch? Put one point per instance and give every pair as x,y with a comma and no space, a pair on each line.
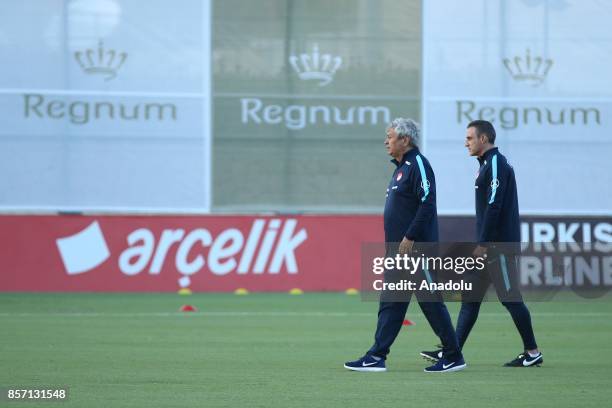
277,350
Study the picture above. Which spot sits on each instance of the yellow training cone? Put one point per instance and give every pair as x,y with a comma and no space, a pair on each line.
184,291
296,291
241,291
352,291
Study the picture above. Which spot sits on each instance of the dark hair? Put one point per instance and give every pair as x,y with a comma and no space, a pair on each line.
483,127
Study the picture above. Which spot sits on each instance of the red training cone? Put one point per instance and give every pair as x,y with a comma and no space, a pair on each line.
188,308
407,322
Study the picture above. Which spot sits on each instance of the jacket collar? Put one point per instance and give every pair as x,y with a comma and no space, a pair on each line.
487,155
410,154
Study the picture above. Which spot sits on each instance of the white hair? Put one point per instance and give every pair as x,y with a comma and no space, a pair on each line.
406,128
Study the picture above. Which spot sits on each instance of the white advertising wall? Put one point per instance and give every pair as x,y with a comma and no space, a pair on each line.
303,91
540,71
105,105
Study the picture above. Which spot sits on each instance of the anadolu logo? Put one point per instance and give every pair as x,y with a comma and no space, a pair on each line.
316,66
268,247
101,61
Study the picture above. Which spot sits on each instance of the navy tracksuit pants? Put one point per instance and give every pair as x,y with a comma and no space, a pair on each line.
392,311
391,316
502,271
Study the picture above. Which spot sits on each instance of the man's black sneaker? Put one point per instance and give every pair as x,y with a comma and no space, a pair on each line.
367,364
432,356
445,366
525,360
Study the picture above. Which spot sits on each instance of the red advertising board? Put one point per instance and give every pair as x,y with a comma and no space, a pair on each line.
166,253
222,253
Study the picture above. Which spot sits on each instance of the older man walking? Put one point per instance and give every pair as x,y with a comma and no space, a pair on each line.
410,216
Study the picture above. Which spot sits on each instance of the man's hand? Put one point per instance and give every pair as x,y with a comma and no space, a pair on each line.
480,252
405,247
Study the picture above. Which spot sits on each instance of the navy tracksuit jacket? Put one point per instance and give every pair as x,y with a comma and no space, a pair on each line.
497,211
410,211
410,208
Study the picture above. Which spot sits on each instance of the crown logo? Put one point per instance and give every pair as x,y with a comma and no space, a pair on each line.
100,61
315,66
532,70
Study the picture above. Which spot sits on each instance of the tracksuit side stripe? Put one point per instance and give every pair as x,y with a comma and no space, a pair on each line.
493,179
423,177
428,277
504,268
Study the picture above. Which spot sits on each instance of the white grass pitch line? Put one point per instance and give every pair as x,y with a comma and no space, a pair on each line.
270,314
201,314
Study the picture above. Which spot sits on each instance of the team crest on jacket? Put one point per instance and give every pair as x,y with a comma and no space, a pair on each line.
399,176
